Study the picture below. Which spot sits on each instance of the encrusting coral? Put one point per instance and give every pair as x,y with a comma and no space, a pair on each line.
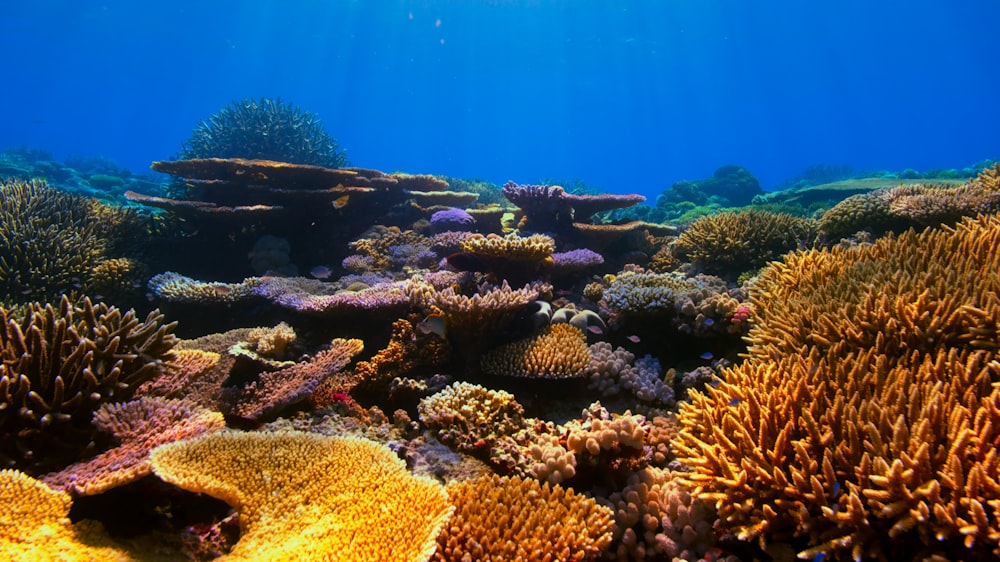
864,422
59,364
307,497
520,520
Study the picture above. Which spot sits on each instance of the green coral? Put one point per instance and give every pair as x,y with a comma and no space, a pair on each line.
265,129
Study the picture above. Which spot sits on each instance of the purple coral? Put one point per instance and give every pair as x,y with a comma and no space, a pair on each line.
451,219
578,259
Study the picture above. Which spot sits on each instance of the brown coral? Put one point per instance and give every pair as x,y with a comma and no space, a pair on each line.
558,352
471,418
864,421
273,391
732,242
515,519
59,364
306,497
407,350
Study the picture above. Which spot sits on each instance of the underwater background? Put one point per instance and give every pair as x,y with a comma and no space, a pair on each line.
510,281
627,97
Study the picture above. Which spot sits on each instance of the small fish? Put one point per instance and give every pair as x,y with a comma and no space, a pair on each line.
715,382
340,202
434,323
321,272
734,402
836,489
709,322
707,356
633,338
595,330
819,557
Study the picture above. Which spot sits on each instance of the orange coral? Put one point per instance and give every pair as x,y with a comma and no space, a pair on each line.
865,420
515,519
558,352
306,497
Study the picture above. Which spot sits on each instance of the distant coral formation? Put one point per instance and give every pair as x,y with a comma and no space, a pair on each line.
266,129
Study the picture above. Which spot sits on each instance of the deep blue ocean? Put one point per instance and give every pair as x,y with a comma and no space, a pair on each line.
627,96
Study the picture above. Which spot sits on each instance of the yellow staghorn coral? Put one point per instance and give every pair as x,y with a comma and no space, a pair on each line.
35,526
307,497
514,519
558,352
865,421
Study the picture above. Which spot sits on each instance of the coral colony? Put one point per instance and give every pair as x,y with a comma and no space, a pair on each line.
464,371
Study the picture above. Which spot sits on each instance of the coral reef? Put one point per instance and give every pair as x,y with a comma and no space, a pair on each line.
863,422
138,427
52,242
730,243
273,391
35,525
266,129
520,520
304,497
894,209
59,364
559,351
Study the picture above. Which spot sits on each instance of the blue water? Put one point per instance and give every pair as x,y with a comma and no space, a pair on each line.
628,96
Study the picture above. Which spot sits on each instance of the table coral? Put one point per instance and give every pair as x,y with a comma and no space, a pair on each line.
35,525
306,497
174,287
59,364
275,390
559,351
138,427
518,520
864,421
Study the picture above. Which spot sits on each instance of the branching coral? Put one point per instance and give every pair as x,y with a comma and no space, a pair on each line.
864,422
267,129
519,519
307,497
50,242
59,364
730,243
